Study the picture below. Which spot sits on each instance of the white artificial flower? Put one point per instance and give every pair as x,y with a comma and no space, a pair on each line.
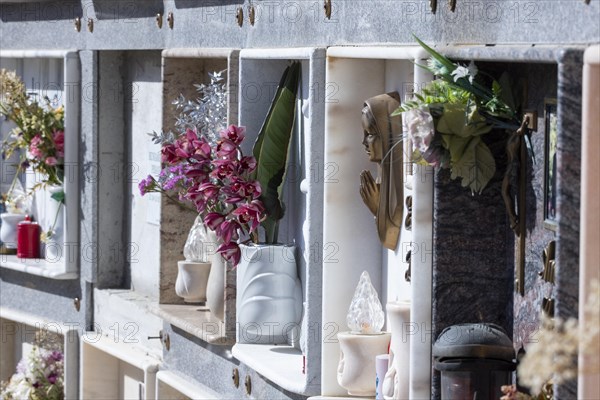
465,72
460,72
420,128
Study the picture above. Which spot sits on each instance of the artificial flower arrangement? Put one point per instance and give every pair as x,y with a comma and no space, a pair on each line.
447,120
39,134
39,375
204,164
552,358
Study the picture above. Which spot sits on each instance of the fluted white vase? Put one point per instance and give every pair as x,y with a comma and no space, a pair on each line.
269,295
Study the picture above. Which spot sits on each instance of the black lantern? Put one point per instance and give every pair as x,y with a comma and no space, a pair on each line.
475,360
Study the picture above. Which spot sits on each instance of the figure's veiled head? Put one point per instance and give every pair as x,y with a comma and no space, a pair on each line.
380,130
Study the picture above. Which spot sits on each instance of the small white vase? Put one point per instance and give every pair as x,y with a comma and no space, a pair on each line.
269,295
192,278
396,381
356,369
215,290
8,230
54,212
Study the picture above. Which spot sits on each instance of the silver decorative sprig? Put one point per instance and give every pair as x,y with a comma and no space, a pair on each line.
207,114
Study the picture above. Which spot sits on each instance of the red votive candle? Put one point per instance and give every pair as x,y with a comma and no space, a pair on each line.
28,239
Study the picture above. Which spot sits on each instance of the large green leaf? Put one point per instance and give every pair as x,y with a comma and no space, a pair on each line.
272,147
476,167
462,120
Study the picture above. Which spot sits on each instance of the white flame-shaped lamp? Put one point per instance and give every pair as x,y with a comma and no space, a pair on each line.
364,341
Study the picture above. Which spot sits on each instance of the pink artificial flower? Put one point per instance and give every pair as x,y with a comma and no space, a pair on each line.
202,149
197,172
224,169
168,155
234,133
59,143
51,161
190,146
227,149
252,189
214,220
230,252
34,147
250,213
210,190
248,163
228,230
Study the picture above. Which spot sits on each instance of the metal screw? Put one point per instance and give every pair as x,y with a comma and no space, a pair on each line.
77,24
90,25
235,377
240,16
165,339
433,6
248,385
159,20
170,20
327,8
77,303
251,15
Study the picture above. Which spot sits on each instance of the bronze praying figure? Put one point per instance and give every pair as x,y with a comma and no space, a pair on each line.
382,136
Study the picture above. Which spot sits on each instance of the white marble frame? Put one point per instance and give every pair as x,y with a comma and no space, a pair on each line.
261,69
589,379
104,360
357,73
68,266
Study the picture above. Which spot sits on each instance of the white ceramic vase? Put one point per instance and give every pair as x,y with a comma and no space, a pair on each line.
269,295
396,381
8,230
55,215
356,368
192,278
215,290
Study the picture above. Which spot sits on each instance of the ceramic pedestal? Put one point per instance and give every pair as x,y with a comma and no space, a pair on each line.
356,369
192,278
396,382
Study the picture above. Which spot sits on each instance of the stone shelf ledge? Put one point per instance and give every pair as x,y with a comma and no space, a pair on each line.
281,364
195,320
170,385
37,266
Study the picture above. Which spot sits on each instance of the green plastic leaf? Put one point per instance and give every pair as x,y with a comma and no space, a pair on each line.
506,94
59,196
440,58
476,167
496,88
462,120
272,147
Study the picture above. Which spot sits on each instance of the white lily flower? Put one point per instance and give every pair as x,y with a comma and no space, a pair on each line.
460,72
